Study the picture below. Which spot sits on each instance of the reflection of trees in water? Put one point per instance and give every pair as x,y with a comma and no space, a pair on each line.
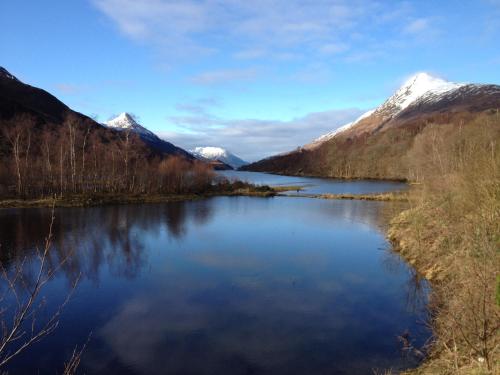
95,237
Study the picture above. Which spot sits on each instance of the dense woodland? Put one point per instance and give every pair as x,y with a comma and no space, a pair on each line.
66,159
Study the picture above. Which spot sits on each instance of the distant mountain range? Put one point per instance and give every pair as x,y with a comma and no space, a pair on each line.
366,147
218,154
372,146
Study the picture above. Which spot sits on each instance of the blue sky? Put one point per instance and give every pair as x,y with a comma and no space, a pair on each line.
257,77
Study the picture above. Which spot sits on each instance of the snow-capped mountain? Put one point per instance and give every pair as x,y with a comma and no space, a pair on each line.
126,122
421,101
220,154
421,88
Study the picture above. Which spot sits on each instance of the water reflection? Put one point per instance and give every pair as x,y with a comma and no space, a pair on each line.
95,236
224,285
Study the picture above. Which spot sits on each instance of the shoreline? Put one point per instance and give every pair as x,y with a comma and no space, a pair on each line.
395,232
83,200
111,199
404,180
397,196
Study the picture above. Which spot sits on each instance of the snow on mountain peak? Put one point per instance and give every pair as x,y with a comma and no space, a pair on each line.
218,153
125,121
210,152
419,85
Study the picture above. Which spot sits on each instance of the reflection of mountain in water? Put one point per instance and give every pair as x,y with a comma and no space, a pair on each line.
96,236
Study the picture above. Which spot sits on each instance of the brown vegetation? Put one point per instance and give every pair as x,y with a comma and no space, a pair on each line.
379,155
70,159
451,234
383,197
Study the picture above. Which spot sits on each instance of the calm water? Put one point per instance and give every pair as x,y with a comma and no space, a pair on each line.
313,185
228,285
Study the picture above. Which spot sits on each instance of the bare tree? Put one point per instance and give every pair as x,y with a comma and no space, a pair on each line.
22,324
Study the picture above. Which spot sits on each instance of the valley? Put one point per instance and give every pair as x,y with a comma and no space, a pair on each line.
378,239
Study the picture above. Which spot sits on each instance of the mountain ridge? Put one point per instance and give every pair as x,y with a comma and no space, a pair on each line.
127,122
420,101
421,86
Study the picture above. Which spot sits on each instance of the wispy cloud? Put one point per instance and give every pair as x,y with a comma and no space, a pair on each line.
333,48
268,31
199,107
253,139
417,26
69,88
249,54
224,76
259,25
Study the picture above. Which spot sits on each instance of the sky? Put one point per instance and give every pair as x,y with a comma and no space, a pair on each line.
257,77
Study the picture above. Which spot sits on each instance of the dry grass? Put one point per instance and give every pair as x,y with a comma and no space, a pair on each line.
451,234
386,197
393,196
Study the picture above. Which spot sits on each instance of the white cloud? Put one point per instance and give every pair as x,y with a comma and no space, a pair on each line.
69,88
249,54
417,26
271,31
224,76
253,139
333,48
197,25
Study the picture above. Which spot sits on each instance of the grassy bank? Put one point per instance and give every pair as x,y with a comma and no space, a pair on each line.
451,235
392,196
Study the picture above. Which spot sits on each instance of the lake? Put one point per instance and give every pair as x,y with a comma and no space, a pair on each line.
316,185
226,285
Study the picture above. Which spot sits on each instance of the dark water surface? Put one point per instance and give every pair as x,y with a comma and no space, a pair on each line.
228,285
316,185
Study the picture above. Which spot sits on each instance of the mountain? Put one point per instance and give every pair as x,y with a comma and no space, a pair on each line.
420,88
218,165
40,110
374,145
218,154
4,73
126,122
17,97
37,110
